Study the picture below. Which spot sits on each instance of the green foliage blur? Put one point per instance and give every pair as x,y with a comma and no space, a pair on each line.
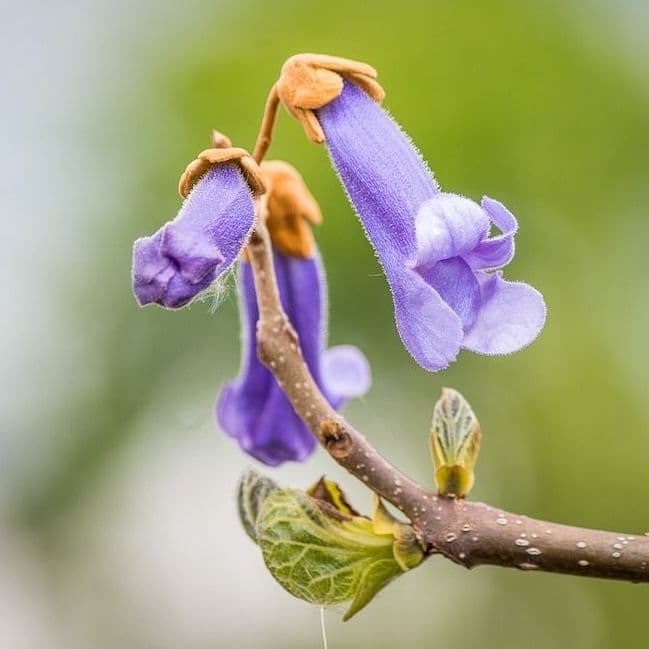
541,105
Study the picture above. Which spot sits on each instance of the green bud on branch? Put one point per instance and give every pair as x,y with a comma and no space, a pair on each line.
454,443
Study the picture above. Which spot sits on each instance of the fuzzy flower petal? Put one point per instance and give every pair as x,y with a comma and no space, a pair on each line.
188,254
429,329
446,226
384,175
498,251
267,427
252,408
346,373
510,318
152,272
457,285
433,246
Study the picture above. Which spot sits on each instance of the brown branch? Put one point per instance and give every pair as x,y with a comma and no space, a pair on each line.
265,136
469,533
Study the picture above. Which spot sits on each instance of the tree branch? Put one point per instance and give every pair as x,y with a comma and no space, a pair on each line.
468,533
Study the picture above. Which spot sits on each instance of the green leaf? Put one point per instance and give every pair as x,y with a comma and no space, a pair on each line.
406,549
325,557
253,490
455,439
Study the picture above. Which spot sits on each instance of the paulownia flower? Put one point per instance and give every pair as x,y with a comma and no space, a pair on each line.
440,260
190,253
253,408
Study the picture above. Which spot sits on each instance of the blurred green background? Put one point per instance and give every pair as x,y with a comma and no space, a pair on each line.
116,489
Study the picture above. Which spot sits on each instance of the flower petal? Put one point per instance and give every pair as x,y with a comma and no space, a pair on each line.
195,257
180,292
253,408
151,271
303,291
387,181
219,211
385,176
501,217
346,373
498,251
511,316
269,429
254,377
241,401
428,327
280,435
156,278
448,225
186,255
454,280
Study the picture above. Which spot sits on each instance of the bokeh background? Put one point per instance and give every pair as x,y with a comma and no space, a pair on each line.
117,510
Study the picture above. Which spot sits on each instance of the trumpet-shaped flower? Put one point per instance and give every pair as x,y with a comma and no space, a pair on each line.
253,408
188,254
441,262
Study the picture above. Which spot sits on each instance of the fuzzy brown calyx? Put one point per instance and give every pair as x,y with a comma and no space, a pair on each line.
290,205
310,81
222,153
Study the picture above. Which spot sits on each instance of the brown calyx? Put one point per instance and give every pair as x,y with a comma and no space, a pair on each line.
222,153
290,205
310,81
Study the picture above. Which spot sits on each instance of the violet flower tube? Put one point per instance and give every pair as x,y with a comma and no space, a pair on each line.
441,263
253,408
186,255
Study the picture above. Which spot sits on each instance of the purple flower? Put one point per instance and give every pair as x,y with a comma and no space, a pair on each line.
188,254
253,408
435,248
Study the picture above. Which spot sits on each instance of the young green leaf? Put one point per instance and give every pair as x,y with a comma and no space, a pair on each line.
253,490
406,549
455,443
321,555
